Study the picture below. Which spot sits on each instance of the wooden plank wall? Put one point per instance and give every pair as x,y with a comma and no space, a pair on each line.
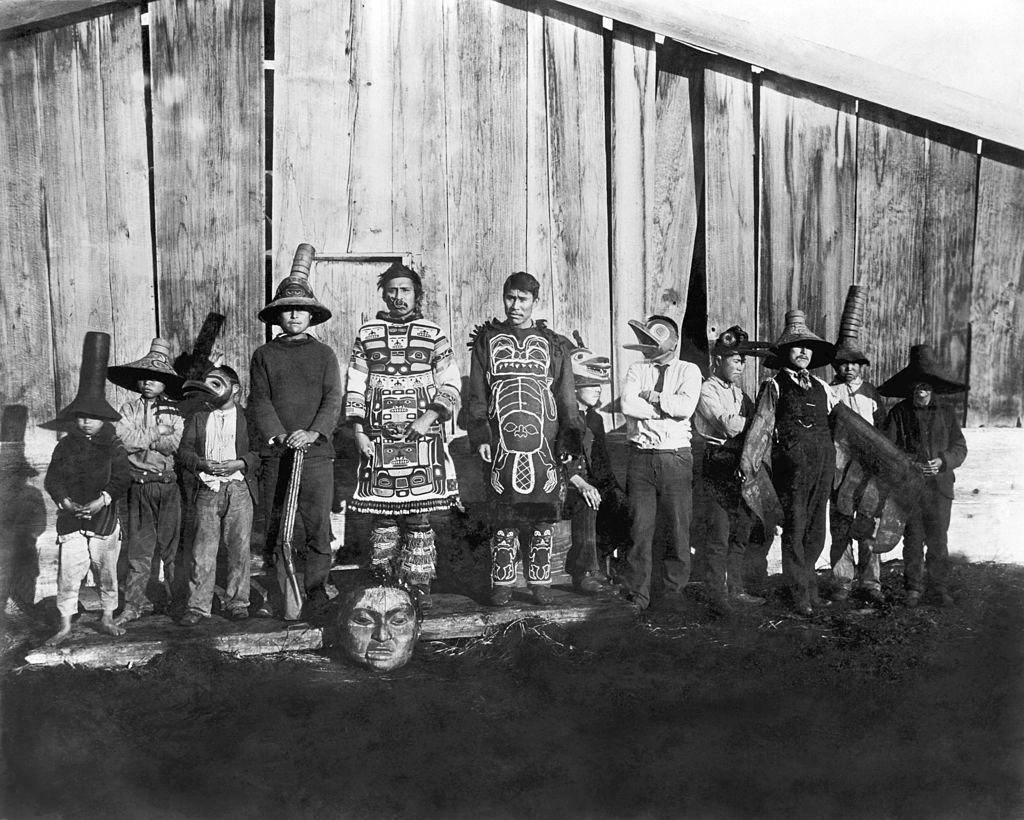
207,77
484,137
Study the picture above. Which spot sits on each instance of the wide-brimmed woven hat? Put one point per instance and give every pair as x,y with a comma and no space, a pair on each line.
295,292
92,379
589,370
923,367
848,345
736,341
155,365
798,334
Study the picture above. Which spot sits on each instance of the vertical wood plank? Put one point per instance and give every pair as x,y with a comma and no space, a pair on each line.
538,169
352,284
95,179
678,178
312,127
207,74
996,398
420,199
574,58
485,90
891,192
369,182
633,105
28,378
729,197
808,177
948,248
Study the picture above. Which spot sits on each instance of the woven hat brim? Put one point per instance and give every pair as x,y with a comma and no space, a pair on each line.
318,313
821,351
900,386
94,408
128,375
850,354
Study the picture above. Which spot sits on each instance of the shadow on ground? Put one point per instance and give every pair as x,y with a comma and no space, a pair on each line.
906,713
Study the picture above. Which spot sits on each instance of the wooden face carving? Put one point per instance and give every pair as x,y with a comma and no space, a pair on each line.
379,628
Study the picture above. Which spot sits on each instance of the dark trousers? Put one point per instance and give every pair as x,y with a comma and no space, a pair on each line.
311,537
658,484
802,475
728,524
928,526
154,525
224,517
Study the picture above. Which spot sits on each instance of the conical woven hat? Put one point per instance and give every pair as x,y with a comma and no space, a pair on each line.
91,399
848,345
923,367
295,292
797,333
155,365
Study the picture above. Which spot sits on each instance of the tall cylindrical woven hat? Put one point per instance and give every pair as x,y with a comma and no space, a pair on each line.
91,399
848,345
295,291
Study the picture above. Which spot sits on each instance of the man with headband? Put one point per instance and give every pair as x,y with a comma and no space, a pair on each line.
403,386
659,397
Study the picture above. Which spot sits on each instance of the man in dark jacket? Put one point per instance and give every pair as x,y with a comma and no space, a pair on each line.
930,433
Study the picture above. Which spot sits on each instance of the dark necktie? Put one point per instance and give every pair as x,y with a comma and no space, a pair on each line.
803,378
659,385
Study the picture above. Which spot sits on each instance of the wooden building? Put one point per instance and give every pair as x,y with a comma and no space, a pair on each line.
160,162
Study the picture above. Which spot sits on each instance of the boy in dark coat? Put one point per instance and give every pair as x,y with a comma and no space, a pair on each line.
217,449
930,433
295,400
87,475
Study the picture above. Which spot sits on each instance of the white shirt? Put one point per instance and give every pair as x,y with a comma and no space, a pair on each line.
665,423
220,445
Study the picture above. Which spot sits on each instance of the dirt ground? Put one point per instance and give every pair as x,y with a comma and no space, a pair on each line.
902,713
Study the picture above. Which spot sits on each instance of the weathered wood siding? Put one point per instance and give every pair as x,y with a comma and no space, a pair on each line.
207,70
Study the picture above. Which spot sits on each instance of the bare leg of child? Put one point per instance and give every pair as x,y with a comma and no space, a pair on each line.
62,633
107,625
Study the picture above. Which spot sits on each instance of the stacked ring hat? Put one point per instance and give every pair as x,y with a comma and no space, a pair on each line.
155,366
91,400
295,292
797,334
848,347
922,368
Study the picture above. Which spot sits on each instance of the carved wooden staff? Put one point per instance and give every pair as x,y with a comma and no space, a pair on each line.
291,506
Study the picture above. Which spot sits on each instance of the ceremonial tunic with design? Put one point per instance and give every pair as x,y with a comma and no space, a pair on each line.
399,369
521,395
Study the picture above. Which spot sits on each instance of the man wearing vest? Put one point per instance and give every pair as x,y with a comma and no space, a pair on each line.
790,427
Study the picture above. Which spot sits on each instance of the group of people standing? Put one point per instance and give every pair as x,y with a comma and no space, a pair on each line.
533,421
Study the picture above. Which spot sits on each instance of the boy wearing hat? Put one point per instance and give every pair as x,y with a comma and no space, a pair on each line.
403,385
521,400
930,433
721,419
850,388
295,401
150,430
88,473
790,427
217,449
659,397
591,479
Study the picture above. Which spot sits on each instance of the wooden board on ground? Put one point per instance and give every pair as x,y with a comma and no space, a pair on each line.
150,636
997,310
208,159
808,195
